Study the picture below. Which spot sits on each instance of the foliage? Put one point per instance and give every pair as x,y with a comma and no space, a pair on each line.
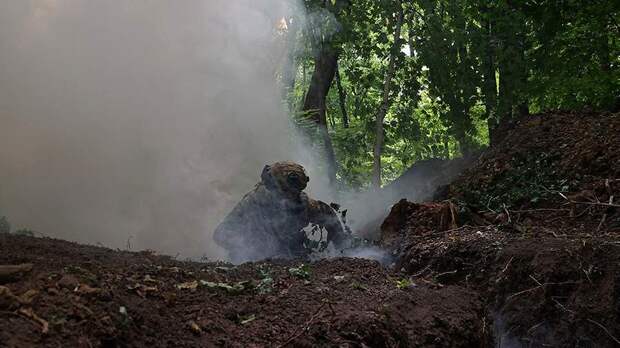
404,283
265,285
463,67
233,289
358,286
303,271
526,179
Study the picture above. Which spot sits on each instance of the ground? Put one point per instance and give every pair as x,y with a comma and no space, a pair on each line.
533,227
91,296
522,249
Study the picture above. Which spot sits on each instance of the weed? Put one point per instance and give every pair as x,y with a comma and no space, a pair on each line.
303,271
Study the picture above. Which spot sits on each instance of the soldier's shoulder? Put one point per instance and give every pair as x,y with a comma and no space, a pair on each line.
258,194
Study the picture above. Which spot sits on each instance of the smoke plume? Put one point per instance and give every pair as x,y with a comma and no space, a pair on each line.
137,121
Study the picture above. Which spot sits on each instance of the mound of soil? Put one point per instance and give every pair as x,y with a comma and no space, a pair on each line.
86,296
420,218
424,180
566,161
536,236
539,289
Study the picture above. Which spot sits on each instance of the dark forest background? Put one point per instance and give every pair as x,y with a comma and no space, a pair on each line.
379,85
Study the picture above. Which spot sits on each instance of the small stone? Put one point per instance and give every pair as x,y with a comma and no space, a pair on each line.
68,282
196,329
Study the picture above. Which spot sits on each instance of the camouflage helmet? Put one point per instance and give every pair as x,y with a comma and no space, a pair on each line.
288,177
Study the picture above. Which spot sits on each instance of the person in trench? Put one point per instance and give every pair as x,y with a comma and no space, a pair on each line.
270,220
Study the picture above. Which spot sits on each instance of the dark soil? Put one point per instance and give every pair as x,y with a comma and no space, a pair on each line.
533,227
80,290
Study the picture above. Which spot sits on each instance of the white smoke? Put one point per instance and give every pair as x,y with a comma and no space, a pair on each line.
137,119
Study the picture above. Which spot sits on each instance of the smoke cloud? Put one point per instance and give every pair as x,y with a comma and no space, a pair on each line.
137,120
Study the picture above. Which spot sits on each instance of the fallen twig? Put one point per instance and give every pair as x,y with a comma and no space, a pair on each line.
598,203
562,306
302,328
555,234
422,271
30,314
537,210
441,232
506,267
541,286
604,329
522,292
536,280
534,327
445,273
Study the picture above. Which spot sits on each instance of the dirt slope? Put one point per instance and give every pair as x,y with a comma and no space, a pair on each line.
79,292
533,227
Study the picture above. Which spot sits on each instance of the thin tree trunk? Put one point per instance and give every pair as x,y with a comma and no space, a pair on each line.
512,66
505,96
410,41
506,66
314,103
383,109
342,99
330,116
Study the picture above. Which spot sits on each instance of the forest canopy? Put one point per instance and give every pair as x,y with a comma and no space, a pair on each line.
379,85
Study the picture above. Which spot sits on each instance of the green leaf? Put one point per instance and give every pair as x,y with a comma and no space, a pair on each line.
404,283
302,272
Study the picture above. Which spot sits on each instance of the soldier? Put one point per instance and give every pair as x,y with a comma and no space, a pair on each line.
269,221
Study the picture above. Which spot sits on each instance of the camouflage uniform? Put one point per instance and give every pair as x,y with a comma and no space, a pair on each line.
269,220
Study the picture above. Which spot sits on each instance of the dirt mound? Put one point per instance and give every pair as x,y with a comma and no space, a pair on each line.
537,222
419,217
539,289
568,162
89,296
424,180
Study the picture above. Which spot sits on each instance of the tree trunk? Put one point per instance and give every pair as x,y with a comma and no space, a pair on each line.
383,109
512,65
314,103
505,91
342,99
